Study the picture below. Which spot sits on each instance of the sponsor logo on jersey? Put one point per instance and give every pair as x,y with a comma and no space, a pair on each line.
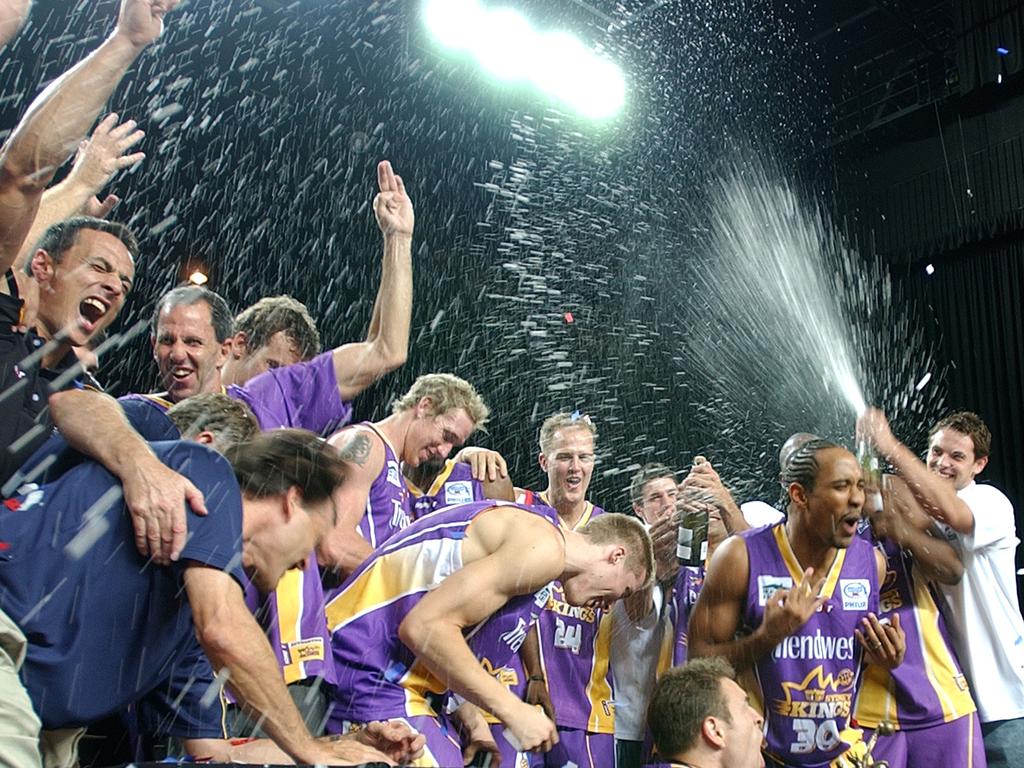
769,585
458,492
816,647
855,593
304,650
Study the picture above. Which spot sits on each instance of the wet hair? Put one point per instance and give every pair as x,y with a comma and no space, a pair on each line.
230,420
682,699
273,314
792,445
447,392
647,473
59,237
561,421
616,528
190,295
970,424
802,466
272,462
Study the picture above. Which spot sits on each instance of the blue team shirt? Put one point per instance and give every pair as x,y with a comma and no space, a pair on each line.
104,625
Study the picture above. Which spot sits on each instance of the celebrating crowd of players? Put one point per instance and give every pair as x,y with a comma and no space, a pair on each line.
228,569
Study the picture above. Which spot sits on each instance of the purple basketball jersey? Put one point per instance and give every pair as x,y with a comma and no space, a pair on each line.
304,395
378,675
388,505
454,485
575,643
809,681
928,688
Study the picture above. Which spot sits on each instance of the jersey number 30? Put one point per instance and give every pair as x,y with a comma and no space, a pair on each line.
810,735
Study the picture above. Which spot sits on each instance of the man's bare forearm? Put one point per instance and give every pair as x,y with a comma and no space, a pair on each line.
935,495
742,653
232,640
442,648
56,121
94,424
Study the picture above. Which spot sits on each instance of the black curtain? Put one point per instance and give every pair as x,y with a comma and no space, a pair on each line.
972,309
981,27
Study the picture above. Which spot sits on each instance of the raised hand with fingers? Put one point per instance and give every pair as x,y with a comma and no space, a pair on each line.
873,426
101,156
392,205
789,609
664,533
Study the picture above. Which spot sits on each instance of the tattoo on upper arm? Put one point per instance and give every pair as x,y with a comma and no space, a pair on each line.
357,450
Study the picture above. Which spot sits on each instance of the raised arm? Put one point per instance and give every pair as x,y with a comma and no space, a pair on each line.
386,347
60,117
94,424
433,629
719,610
704,484
98,159
905,523
12,15
936,496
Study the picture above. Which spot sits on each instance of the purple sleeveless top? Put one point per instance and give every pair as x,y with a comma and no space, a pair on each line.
928,688
575,643
388,505
378,675
809,681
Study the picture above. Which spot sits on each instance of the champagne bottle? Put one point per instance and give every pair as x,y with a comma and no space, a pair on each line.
871,470
692,541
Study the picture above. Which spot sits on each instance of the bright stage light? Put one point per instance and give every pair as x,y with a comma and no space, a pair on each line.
455,23
507,47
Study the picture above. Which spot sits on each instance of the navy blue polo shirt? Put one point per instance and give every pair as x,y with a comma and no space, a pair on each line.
104,625
25,388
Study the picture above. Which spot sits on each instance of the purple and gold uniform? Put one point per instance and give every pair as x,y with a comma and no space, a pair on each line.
808,683
388,504
926,698
575,643
379,677
454,485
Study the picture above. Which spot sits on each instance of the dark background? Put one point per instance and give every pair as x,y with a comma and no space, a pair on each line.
265,120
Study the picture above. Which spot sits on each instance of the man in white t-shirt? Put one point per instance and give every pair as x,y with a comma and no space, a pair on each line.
984,617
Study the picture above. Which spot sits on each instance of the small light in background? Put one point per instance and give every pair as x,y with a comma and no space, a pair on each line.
930,269
198,278
1003,51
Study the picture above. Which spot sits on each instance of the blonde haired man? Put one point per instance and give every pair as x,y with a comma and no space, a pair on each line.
438,413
